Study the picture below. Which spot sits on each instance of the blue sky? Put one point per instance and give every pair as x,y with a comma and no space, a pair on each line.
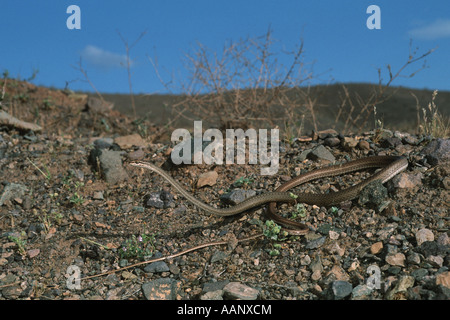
338,45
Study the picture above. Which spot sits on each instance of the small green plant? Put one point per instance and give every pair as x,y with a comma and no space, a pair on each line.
273,231
243,182
20,241
300,211
138,247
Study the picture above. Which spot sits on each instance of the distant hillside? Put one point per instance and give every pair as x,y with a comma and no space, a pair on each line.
399,112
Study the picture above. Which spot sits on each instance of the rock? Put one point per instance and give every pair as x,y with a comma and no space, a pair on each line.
98,195
349,143
399,291
103,143
437,151
443,239
12,191
373,195
219,255
212,295
237,290
321,153
33,253
361,292
443,279
436,261
341,289
363,145
407,180
110,165
207,179
376,247
391,142
136,155
316,243
419,274
162,289
432,248
424,235
237,195
160,200
332,142
126,142
396,259
215,286
157,267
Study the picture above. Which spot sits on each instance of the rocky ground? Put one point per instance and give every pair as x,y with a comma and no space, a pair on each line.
77,221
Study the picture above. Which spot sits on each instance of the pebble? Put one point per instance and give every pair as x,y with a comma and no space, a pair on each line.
349,143
207,179
157,267
406,180
361,292
321,153
437,151
126,142
424,235
236,196
399,291
237,290
376,247
212,295
161,289
110,163
341,289
443,279
396,259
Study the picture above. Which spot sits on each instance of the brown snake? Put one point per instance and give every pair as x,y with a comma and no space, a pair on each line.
391,166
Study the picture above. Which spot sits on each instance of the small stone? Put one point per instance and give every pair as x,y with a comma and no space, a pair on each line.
341,289
321,153
236,196
207,179
212,295
349,143
436,261
237,290
316,243
437,151
424,235
98,195
218,255
361,292
399,291
332,142
419,274
33,253
126,142
406,180
376,247
161,289
396,259
305,261
157,267
443,279
363,145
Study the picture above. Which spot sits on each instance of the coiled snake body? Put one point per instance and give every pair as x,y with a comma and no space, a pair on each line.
391,166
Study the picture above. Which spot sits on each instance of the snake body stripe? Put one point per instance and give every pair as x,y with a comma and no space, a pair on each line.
391,166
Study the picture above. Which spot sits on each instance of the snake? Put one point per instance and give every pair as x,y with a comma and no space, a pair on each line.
391,166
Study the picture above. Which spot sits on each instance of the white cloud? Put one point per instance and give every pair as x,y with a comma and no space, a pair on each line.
104,59
440,28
